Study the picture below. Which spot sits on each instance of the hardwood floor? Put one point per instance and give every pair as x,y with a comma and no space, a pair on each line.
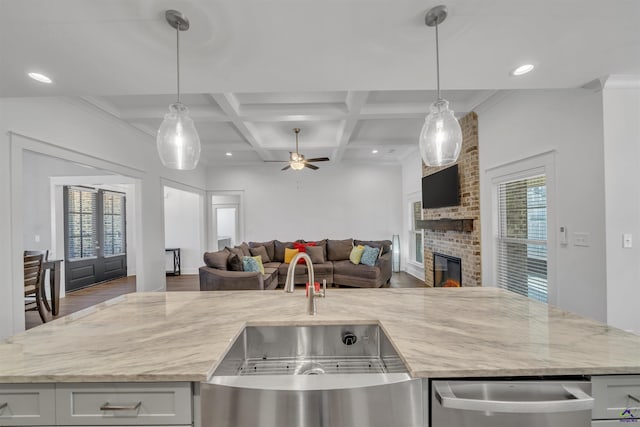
83,298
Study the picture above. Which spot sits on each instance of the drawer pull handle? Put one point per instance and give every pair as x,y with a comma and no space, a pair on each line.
109,407
3,405
632,397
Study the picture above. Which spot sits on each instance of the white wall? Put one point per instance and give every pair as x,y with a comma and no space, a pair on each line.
72,130
622,175
182,229
338,202
411,188
525,123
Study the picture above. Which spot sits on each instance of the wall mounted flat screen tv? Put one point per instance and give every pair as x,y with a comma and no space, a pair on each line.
440,189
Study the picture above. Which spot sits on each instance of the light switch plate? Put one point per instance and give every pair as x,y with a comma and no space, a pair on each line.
581,239
627,240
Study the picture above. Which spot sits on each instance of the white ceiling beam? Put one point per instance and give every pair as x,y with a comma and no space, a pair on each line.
479,98
355,101
197,112
229,104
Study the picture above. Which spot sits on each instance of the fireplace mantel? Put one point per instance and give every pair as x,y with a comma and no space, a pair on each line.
446,224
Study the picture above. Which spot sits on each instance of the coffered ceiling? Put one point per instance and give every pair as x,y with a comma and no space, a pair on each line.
354,75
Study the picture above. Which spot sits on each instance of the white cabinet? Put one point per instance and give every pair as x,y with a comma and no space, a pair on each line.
124,404
616,397
27,404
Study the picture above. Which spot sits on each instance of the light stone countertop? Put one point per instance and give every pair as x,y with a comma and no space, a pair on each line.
444,332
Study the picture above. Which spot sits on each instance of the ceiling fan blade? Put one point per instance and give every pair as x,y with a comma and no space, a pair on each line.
276,161
319,159
285,168
310,166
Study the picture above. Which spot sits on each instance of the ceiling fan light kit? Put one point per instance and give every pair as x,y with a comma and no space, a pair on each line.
177,140
297,161
441,136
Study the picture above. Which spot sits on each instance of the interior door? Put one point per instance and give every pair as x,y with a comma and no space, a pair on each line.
95,230
226,218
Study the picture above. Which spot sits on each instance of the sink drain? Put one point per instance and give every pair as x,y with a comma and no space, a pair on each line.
310,369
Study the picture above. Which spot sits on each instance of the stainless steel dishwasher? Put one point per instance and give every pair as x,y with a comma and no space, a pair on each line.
511,403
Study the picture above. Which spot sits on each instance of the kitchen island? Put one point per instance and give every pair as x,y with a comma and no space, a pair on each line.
175,340
180,336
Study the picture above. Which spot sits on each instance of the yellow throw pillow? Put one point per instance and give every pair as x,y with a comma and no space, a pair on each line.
258,259
289,254
356,254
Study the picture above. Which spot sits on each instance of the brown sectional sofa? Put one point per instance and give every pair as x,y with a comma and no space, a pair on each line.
336,268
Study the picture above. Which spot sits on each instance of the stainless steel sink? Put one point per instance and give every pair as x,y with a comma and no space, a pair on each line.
335,375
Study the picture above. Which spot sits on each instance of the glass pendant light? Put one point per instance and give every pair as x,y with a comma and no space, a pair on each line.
178,141
441,136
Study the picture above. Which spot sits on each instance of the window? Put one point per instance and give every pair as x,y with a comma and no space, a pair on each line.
113,223
415,234
82,227
522,237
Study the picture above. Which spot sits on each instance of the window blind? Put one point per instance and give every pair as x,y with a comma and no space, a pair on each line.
522,237
81,222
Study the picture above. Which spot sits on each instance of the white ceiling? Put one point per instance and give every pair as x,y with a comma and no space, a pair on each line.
355,75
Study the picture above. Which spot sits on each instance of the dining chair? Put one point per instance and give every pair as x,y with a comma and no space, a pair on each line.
43,292
33,284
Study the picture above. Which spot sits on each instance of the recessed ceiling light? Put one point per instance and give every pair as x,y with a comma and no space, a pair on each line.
374,151
229,154
523,69
40,77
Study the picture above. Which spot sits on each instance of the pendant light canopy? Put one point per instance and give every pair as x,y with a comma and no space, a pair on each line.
178,141
441,136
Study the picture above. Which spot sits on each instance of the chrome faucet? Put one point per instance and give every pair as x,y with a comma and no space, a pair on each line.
289,283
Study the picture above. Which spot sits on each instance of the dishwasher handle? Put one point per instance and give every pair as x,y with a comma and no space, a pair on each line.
581,401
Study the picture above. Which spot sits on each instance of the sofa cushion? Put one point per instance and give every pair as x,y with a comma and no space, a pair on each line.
262,252
318,269
234,263
244,248
279,247
270,278
216,259
356,254
362,271
272,264
267,245
338,250
316,253
385,245
370,256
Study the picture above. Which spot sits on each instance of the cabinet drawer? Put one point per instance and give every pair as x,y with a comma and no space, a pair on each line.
125,404
27,404
615,396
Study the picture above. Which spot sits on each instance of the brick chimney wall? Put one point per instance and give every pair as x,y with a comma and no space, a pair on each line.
464,245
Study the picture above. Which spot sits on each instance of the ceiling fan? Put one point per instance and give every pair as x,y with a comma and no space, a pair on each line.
297,161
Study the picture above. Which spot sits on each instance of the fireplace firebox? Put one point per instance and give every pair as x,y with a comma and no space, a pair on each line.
447,271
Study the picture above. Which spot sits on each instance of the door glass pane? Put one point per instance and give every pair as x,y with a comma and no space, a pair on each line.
113,223
81,223
226,226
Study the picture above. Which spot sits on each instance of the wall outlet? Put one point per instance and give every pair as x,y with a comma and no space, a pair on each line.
37,238
627,240
581,239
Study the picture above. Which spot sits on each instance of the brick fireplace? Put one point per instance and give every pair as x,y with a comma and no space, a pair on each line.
455,231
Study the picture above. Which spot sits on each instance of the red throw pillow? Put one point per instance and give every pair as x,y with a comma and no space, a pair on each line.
302,247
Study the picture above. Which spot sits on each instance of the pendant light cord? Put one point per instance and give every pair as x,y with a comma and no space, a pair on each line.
437,61
178,57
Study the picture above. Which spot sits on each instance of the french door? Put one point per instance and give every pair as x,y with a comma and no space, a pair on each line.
95,236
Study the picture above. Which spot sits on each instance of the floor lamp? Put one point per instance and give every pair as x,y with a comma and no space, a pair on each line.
395,248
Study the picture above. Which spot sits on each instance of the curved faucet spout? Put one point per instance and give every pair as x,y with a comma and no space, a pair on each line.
289,284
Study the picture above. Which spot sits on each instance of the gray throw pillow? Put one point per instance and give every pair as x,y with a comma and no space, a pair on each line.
316,253
235,262
269,246
244,248
262,251
216,259
370,256
339,250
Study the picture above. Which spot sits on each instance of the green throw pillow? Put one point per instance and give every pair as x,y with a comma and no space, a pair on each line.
356,254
